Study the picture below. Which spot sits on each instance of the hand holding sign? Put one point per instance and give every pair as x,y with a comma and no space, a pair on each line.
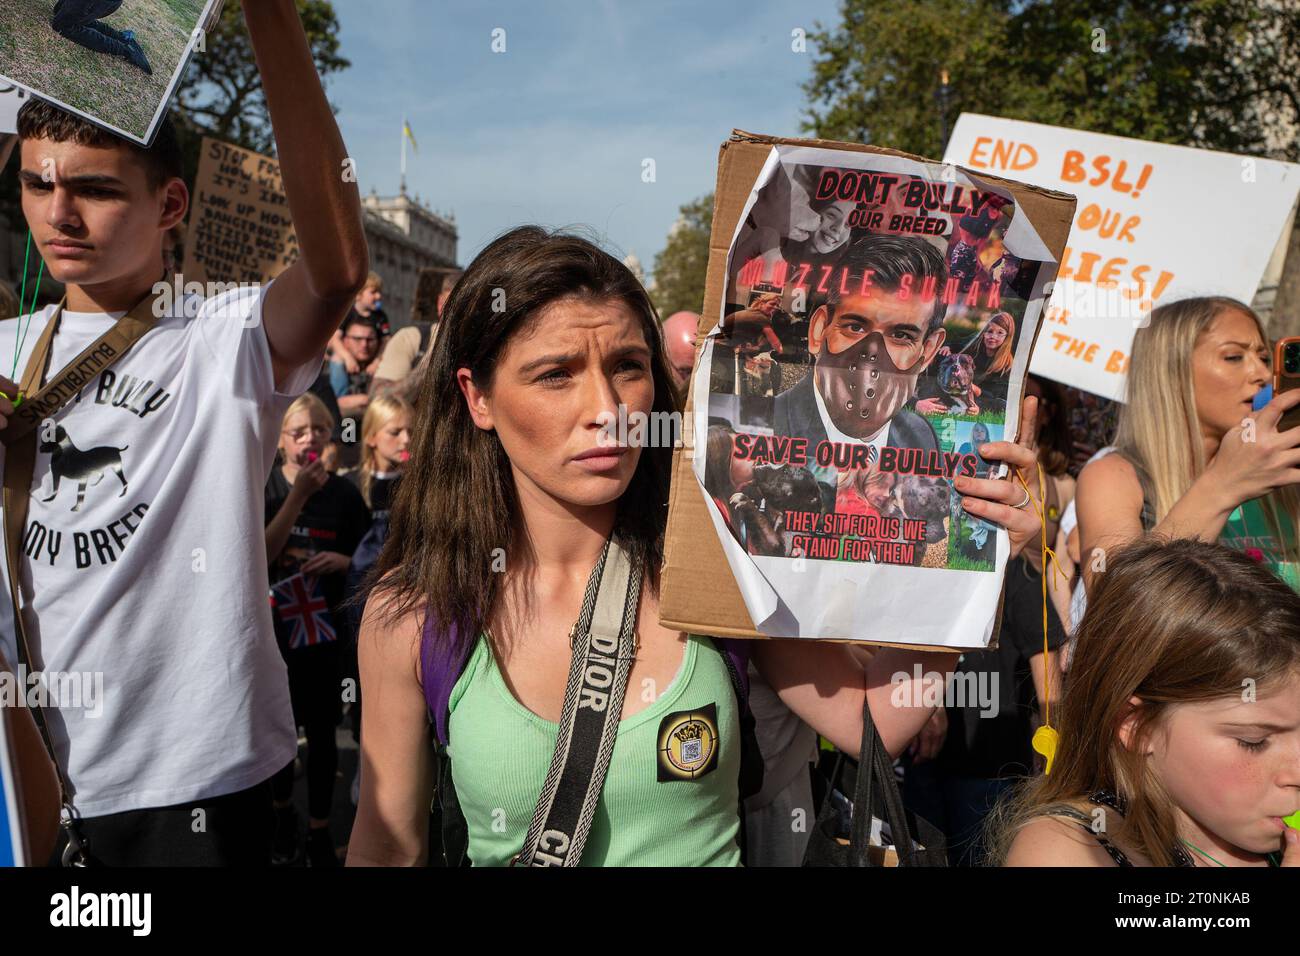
999,500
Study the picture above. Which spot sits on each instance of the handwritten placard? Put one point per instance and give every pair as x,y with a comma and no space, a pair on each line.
239,229
1155,223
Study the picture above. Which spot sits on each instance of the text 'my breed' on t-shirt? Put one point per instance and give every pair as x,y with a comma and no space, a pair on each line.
143,566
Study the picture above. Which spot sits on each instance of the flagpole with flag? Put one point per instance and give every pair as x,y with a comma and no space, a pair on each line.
407,134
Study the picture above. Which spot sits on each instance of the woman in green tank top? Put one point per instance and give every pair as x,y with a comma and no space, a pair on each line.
1194,460
514,487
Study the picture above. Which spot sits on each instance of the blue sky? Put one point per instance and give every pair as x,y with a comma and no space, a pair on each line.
555,129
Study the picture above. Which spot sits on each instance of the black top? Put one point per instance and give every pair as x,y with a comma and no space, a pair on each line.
1104,798
381,492
333,519
991,746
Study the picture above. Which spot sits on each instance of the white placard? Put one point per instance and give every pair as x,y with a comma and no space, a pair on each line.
1155,223
11,100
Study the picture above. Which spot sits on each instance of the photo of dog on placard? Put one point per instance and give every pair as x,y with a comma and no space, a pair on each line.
115,62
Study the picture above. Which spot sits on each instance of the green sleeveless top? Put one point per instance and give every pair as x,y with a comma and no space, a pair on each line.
1248,530
671,795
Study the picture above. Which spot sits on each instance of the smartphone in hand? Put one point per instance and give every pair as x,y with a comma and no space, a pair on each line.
1286,375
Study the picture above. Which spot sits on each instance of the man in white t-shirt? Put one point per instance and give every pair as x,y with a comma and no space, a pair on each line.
143,564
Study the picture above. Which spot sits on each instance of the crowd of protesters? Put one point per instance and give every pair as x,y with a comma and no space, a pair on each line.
435,501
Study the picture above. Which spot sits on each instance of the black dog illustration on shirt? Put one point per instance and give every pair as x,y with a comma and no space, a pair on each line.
83,467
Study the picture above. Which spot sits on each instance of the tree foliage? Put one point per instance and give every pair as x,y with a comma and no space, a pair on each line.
1221,74
220,94
680,267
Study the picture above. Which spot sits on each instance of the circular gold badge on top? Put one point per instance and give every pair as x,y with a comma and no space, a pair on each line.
688,743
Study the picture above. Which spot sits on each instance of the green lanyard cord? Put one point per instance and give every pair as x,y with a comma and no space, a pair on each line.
26,310
1267,856
1200,851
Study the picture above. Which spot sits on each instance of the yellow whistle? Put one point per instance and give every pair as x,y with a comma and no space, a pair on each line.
1045,740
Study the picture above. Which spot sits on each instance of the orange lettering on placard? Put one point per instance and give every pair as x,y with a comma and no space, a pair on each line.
1005,154
1139,276
1100,163
1111,270
1020,162
1073,171
1072,166
1117,362
1075,348
1106,222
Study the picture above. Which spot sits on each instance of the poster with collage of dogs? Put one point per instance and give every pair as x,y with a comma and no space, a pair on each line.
875,330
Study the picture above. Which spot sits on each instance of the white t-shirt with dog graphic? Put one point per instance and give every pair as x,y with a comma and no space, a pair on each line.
144,570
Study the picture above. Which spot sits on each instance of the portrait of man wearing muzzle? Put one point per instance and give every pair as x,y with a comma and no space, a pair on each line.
869,345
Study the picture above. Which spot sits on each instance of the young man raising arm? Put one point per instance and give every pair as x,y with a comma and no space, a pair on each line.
139,555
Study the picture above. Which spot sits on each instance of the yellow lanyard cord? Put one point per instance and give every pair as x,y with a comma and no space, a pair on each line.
1045,737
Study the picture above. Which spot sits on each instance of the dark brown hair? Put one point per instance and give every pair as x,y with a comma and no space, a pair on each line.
1170,622
162,160
1055,445
456,503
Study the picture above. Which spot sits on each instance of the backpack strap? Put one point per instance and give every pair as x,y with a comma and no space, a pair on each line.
736,654
443,656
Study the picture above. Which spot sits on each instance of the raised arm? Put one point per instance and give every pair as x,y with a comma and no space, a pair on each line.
309,299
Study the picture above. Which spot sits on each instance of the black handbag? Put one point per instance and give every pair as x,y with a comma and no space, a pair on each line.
837,842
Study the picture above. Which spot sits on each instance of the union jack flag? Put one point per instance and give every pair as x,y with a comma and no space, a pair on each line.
301,606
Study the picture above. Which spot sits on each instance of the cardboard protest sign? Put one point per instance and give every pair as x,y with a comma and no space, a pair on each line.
114,62
1155,223
11,100
239,228
880,311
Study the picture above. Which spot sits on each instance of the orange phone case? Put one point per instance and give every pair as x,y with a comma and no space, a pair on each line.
1284,380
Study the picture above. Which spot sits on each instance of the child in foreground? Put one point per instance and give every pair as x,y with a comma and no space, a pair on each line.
1180,722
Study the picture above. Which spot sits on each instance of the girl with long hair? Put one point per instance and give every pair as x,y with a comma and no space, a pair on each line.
1180,724
1192,459
993,350
385,450
512,493
997,347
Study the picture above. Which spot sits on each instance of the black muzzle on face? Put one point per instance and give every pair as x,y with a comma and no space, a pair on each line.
862,387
